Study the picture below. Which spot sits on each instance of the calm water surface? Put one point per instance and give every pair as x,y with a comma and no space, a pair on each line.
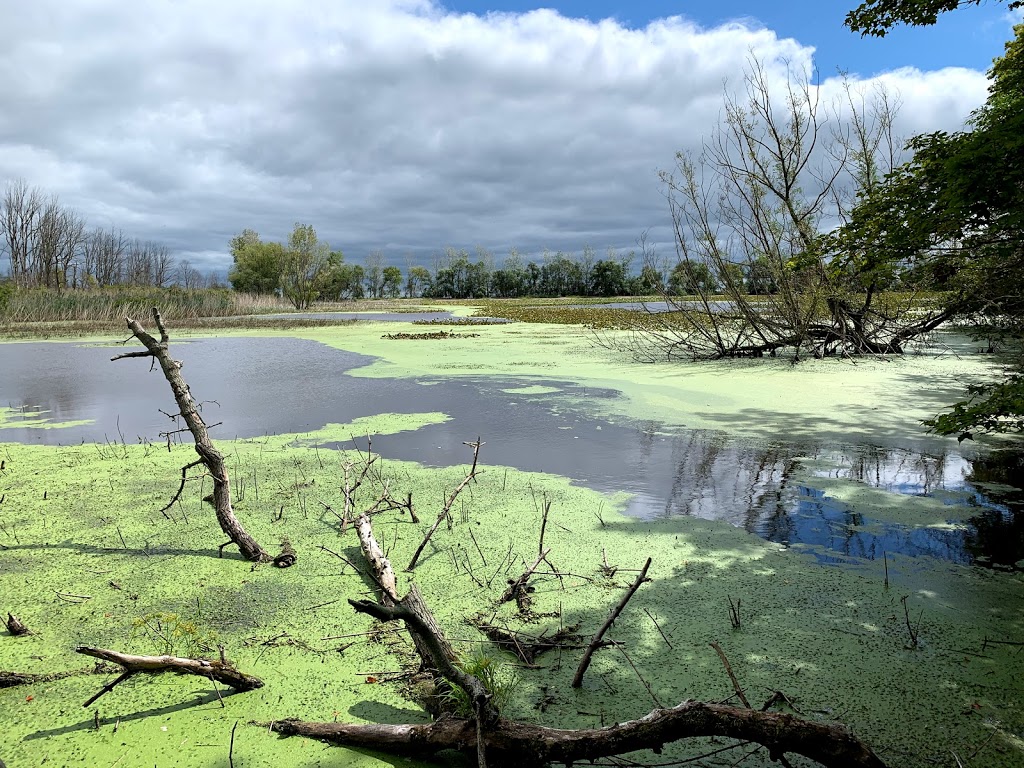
258,386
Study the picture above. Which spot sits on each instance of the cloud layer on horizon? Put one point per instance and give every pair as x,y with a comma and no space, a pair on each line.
389,125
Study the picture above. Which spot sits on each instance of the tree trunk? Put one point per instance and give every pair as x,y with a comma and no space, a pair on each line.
208,454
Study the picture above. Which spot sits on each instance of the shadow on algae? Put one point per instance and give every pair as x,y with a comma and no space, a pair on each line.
86,557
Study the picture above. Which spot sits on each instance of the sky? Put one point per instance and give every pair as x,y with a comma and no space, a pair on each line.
408,126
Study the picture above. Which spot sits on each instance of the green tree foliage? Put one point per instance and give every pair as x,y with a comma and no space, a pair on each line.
305,263
417,281
391,282
257,265
460,278
878,17
689,277
651,280
955,214
609,278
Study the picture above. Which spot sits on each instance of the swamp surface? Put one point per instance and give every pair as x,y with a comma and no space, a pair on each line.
878,568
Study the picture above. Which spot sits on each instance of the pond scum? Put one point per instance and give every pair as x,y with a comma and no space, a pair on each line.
86,557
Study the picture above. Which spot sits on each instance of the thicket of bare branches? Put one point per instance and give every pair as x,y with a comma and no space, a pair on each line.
49,245
752,213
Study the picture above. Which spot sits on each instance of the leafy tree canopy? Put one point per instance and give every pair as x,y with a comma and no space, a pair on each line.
878,17
955,214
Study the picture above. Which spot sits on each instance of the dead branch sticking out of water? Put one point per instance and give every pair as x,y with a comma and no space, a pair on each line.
446,509
16,627
728,668
209,456
220,671
595,643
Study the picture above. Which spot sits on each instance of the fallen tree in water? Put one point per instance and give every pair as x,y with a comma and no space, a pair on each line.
482,733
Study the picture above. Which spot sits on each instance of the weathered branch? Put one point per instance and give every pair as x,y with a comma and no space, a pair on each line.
595,643
208,454
528,745
220,671
436,645
446,509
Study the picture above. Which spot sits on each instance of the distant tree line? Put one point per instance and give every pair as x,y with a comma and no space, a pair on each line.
49,245
305,269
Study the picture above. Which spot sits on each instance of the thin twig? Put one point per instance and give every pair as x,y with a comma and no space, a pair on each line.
728,669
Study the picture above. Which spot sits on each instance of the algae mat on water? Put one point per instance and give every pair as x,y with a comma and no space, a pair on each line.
87,558
876,400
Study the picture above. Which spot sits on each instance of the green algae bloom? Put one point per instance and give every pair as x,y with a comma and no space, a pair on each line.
87,557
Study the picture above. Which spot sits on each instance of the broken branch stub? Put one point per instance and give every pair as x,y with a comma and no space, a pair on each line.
445,513
209,456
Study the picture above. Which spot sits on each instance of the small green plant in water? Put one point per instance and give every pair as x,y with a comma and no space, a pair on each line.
174,635
499,682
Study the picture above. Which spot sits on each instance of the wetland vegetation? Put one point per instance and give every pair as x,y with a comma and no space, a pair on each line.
857,509
768,533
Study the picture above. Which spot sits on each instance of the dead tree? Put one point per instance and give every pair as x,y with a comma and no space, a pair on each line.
209,456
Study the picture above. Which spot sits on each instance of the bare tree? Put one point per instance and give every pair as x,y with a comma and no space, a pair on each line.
103,257
188,277
750,215
58,238
374,276
22,206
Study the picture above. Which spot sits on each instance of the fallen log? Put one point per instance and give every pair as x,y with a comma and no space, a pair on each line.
221,671
528,745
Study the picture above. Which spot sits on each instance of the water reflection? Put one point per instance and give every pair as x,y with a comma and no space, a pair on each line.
259,386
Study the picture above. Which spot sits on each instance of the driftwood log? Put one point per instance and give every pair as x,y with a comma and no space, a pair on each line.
209,456
528,745
220,671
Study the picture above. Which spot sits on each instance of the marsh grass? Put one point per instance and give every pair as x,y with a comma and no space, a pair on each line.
47,313
114,304
500,682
